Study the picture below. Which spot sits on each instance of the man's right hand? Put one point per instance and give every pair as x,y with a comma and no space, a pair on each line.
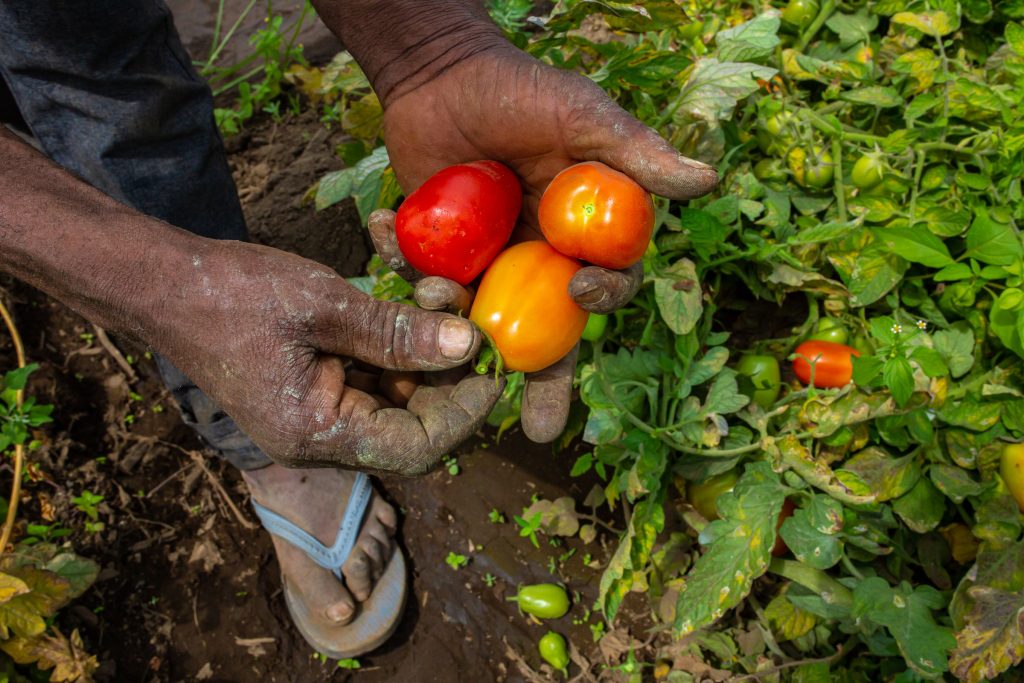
263,332
265,335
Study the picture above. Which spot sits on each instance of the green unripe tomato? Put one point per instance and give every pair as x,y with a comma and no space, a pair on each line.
800,13
763,372
811,168
703,496
867,172
863,345
554,650
770,172
544,600
775,135
596,325
830,329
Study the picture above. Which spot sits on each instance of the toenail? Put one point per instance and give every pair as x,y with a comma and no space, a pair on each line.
339,612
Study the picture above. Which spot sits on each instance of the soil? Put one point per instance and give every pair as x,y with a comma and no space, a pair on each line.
189,589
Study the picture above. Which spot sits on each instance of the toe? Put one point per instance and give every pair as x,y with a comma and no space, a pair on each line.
376,552
358,572
387,516
321,591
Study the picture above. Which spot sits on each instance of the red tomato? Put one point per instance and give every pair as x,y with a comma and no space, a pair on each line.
780,548
454,224
594,213
833,365
523,303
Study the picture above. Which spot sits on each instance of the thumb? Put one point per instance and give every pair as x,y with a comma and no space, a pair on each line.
603,131
394,336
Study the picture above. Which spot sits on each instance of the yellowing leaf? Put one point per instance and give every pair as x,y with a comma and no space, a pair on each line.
935,23
992,639
787,620
962,543
24,614
11,587
68,658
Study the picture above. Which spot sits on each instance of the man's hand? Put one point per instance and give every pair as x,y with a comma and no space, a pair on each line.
265,333
503,105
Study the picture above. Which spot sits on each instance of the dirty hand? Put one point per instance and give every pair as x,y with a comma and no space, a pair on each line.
504,105
267,337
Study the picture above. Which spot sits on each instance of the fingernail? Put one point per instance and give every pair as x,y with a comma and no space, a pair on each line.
338,612
455,338
693,163
588,294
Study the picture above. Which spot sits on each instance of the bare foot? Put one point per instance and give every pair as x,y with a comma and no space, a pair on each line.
315,500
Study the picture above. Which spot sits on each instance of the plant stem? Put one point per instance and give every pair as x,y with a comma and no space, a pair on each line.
838,187
830,590
807,36
19,449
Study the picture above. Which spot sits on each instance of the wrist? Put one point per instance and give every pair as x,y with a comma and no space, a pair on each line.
403,44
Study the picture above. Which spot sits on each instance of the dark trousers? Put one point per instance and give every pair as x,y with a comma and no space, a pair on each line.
109,93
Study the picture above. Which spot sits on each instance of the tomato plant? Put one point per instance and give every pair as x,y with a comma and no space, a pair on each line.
828,363
455,223
800,13
523,305
763,372
867,171
703,496
811,168
592,212
831,330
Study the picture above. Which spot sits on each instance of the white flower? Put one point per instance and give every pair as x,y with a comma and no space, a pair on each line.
897,328
922,325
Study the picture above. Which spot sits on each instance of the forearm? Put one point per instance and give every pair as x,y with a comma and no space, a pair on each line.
111,264
402,44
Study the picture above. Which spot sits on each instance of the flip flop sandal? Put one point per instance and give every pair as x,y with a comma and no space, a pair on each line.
377,617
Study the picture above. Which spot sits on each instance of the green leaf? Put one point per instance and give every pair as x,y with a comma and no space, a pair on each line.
954,271
79,572
750,41
970,414
992,639
880,474
739,553
899,378
724,396
633,554
715,88
946,222
992,242
955,482
906,613
1015,37
916,245
366,182
921,508
679,297
1005,317
935,23
807,543
853,29
868,268
956,346
931,361
879,96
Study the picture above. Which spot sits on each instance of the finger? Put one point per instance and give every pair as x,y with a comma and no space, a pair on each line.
363,381
600,290
354,431
399,385
358,573
394,336
546,399
426,395
601,130
381,225
441,294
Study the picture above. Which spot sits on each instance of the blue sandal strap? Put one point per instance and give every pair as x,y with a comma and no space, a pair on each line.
348,531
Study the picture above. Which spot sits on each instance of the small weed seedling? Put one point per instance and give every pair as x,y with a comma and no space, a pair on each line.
456,561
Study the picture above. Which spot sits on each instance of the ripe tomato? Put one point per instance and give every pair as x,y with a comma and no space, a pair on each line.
763,372
780,548
454,224
867,172
833,365
593,212
1011,468
800,13
830,329
813,170
523,303
703,496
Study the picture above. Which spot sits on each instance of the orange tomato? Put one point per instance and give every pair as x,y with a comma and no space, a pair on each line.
833,364
593,212
523,303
